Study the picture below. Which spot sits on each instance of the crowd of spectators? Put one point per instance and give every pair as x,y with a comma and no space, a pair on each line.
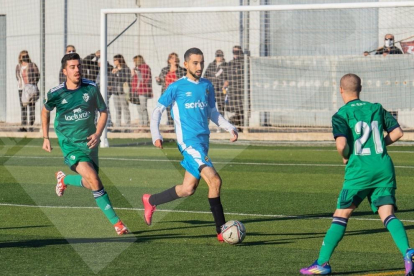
134,85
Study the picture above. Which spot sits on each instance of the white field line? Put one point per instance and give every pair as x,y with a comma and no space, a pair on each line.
215,162
190,212
227,149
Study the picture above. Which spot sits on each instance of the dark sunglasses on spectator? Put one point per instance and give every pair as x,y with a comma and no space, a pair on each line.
25,56
238,52
219,55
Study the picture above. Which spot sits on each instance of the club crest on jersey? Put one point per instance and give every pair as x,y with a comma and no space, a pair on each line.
206,158
85,97
207,91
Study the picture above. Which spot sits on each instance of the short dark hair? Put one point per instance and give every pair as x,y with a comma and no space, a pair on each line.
192,51
351,82
239,50
67,57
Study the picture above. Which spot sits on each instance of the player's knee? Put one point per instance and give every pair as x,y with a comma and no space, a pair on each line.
215,182
188,191
93,183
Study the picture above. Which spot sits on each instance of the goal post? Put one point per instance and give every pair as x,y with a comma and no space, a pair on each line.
286,88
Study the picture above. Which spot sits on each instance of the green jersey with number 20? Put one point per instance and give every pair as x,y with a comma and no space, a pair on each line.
363,124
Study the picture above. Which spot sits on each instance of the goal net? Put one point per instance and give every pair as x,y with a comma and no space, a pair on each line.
280,82
276,69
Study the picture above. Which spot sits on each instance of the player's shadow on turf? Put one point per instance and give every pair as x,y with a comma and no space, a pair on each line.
192,222
153,228
368,271
48,242
290,237
23,227
264,242
373,231
356,213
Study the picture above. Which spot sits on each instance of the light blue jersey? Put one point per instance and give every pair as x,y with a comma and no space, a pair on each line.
191,103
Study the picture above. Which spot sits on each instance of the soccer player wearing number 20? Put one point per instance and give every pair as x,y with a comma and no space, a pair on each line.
76,100
193,104
369,173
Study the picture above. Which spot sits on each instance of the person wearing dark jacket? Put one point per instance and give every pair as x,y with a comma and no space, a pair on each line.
110,88
389,47
216,72
121,75
168,75
90,65
236,87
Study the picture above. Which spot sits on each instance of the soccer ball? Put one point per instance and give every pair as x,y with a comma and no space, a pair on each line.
233,232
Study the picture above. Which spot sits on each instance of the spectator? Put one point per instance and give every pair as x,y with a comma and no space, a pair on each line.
389,47
168,75
27,75
90,66
69,49
141,87
110,87
236,87
216,72
121,76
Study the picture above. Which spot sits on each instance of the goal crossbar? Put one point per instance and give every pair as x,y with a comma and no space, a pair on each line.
263,8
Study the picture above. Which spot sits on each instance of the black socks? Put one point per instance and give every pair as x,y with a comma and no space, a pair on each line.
163,197
218,214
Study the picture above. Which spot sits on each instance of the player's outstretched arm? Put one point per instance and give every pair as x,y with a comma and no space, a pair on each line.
219,120
158,144
234,137
394,136
45,128
94,139
155,125
342,148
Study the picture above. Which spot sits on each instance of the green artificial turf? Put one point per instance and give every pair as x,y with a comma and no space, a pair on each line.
284,195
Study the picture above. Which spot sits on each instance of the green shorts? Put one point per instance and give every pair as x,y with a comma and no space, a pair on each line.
376,197
74,153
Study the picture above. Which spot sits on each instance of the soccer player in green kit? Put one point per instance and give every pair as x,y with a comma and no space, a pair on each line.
76,102
358,130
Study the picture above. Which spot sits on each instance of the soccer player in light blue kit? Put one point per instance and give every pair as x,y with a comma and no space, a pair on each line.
192,103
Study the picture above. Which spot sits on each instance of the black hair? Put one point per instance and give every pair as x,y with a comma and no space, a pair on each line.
239,49
121,60
192,51
67,57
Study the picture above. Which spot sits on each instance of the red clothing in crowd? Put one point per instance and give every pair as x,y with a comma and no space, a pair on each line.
170,78
141,82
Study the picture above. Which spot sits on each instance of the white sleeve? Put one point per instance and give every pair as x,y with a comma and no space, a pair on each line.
219,120
155,122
